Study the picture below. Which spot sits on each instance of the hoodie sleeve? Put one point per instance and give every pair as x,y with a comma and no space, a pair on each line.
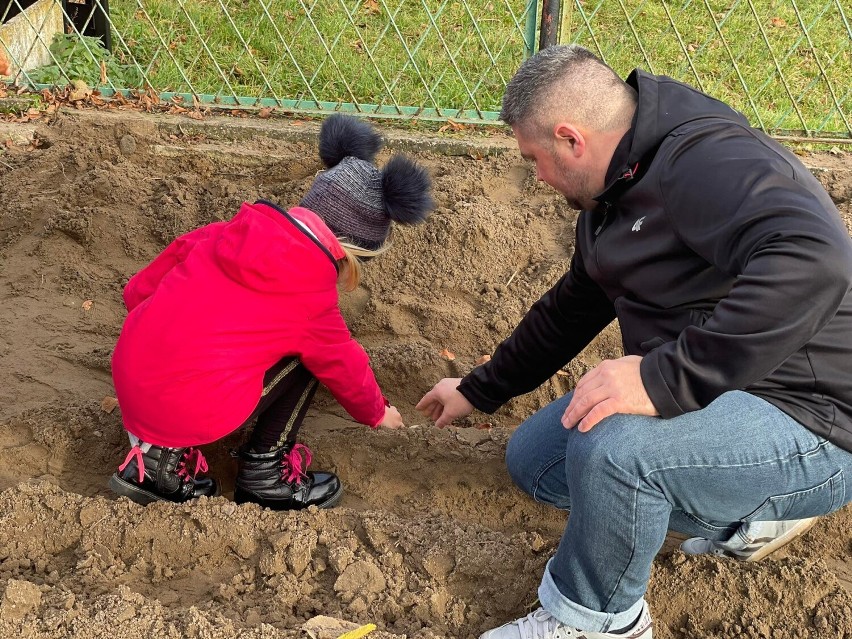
341,364
752,213
144,283
555,329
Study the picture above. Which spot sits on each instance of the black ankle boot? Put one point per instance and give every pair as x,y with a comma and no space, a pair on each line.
277,480
163,474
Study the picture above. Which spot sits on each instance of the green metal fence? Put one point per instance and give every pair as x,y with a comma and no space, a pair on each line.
786,64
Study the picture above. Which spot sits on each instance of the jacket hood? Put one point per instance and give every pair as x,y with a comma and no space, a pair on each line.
664,104
267,249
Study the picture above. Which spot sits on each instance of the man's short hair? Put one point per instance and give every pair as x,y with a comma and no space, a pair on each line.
567,81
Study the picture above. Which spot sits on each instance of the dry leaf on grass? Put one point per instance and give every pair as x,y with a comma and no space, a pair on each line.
447,354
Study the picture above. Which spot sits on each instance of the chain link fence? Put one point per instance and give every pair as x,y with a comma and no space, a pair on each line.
784,63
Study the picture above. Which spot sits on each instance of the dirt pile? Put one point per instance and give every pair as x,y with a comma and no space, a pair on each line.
432,540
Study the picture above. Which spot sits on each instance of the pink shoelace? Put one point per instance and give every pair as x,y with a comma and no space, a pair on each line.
295,463
135,453
193,456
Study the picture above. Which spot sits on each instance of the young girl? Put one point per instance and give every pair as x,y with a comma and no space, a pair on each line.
239,320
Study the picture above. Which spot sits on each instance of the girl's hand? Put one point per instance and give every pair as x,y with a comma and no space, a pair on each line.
392,419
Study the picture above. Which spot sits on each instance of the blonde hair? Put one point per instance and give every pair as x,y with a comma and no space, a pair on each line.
350,263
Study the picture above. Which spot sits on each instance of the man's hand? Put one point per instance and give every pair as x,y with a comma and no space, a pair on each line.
391,420
444,402
613,386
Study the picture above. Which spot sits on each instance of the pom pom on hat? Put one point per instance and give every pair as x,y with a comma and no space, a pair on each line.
343,136
354,198
406,189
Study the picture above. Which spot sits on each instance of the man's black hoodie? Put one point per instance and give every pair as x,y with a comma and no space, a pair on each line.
724,260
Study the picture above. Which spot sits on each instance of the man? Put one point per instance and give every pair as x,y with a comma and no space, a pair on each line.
729,271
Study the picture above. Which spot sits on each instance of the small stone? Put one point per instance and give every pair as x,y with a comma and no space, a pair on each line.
21,597
127,145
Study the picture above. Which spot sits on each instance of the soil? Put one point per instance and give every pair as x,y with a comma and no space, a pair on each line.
431,540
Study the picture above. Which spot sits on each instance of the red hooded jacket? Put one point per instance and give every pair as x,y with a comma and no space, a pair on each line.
218,308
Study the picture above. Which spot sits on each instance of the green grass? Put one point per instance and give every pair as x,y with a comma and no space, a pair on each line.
757,55
327,50
777,61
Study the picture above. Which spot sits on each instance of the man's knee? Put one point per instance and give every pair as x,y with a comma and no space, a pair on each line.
520,460
613,443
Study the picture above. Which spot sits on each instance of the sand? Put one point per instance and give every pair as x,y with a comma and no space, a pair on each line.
432,540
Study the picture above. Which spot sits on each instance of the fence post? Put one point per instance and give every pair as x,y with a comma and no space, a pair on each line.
566,12
550,10
529,31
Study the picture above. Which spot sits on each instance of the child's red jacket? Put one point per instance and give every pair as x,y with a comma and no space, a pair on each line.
219,307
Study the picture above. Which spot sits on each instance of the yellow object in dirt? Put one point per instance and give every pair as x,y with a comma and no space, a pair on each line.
363,631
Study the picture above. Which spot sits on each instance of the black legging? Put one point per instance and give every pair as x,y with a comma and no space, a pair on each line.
288,388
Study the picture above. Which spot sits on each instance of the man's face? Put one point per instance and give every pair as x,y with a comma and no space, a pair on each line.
559,165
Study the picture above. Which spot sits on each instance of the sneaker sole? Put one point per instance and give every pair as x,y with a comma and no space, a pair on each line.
126,489
796,531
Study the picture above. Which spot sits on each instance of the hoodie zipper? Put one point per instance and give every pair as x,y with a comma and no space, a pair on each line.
628,174
601,226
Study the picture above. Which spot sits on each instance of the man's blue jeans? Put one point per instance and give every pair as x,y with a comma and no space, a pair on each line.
632,478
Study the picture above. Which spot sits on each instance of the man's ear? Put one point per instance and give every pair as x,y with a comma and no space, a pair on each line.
570,137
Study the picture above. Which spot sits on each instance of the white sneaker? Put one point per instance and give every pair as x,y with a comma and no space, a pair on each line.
540,624
773,535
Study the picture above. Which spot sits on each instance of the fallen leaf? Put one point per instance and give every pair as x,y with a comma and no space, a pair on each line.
482,360
265,112
452,125
87,305
372,7
563,373
778,22
448,354
108,404
483,426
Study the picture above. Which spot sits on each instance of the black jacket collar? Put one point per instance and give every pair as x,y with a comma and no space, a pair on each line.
663,105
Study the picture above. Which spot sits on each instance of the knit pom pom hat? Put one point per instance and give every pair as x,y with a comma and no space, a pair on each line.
355,199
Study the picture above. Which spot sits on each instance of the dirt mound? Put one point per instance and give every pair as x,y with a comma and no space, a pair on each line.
432,540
